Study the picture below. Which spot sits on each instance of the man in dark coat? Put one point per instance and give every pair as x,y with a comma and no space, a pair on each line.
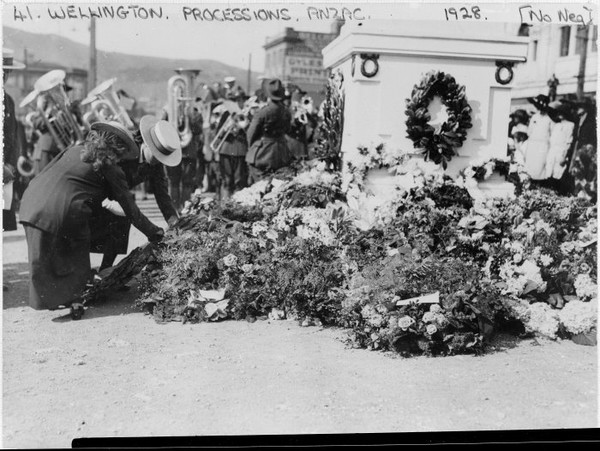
232,158
583,134
11,144
268,150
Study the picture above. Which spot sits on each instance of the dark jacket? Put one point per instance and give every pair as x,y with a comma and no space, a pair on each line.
266,138
11,143
60,200
136,173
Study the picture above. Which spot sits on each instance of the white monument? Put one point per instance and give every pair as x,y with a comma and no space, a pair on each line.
381,62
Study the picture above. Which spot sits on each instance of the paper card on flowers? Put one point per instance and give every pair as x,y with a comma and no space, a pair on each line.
433,298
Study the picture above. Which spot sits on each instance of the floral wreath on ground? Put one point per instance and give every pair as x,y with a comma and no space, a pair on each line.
514,173
438,145
366,158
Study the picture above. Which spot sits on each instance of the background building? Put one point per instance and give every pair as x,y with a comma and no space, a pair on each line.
295,57
557,50
21,82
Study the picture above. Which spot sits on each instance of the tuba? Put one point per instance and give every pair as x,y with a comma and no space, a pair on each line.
53,107
180,90
106,106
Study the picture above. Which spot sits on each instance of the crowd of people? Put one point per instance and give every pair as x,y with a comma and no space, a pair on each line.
77,197
549,142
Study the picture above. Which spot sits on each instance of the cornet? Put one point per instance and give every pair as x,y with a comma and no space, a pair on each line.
53,107
105,105
179,98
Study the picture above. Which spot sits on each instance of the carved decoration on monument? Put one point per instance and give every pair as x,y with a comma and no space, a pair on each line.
438,144
504,72
370,65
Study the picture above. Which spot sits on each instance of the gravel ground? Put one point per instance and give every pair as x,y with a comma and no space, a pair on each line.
118,373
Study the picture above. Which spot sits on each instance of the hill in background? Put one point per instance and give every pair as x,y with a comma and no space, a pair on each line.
144,77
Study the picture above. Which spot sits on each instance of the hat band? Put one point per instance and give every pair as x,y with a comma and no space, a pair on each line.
7,61
159,146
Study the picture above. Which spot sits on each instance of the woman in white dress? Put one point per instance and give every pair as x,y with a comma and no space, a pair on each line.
538,141
561,138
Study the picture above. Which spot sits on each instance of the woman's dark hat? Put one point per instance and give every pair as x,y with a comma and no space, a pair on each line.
275,89
521,115
162,139
121,132
540,102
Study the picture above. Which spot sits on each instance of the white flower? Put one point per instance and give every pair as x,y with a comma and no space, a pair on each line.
230,260
546,260
428,317
567,247
247,267
579,317
542,319
435,308
517,258
585,287
259,227
431,329
371,316
405,322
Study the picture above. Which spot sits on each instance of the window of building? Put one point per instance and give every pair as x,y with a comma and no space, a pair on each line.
534,50
580,39
565,40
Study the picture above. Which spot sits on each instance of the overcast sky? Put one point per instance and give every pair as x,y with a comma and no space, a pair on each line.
229,42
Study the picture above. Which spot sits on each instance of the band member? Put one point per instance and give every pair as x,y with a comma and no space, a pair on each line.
183,178
109,225
232,158
57,206
12,147
261,93
268,150
211,158
45,148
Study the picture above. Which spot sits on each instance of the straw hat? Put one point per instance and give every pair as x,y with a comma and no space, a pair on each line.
162,139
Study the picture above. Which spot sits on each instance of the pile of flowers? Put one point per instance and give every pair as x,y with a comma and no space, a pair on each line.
433,271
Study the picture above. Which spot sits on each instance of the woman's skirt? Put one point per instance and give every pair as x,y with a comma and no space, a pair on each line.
535,159
59,268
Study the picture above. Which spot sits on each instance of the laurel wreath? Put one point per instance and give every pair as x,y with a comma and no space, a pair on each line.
440,145
513,172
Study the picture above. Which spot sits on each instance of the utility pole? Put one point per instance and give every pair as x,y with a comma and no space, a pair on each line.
249,76
92,69
582,63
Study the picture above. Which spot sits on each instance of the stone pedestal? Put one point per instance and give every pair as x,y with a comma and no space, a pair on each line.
404,52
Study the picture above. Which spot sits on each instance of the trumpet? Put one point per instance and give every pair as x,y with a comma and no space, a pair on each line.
179,98
230,125
53,107
105,105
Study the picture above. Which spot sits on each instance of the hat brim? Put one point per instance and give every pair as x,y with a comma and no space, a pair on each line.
146,124
126,137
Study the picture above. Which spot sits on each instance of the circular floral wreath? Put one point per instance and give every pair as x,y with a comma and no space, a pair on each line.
511,171
438,145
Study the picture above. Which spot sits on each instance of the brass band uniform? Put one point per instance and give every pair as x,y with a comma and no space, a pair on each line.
267,146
